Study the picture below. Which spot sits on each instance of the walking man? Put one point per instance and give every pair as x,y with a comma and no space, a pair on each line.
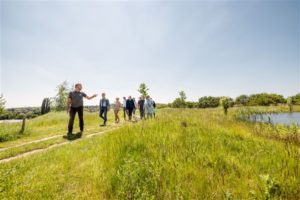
141,103
75,105
130,107
104,107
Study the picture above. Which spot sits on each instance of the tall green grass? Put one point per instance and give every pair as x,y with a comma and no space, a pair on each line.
54,123
183,154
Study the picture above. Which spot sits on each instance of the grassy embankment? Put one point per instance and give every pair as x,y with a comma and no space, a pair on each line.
182,154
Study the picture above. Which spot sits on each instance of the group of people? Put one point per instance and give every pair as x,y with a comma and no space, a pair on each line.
145,105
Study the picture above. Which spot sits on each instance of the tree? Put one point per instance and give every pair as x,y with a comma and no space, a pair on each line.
226,102
296,99
208,102
182,96
180,101
61,96
265,99
290,103
143,89
2,103
242,100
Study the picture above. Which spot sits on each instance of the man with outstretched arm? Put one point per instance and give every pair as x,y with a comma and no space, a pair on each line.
75,105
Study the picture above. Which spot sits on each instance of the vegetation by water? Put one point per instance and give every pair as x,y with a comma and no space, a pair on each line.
183,154
262,99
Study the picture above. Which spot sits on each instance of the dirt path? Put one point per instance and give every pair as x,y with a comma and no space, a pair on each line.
33,141
47,138
55,145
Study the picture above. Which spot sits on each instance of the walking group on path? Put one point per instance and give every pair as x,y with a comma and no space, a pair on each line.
145,105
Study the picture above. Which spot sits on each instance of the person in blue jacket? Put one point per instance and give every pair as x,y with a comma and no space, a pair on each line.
104,107
130,106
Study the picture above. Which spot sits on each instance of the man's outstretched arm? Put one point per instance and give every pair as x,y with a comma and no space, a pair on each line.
90,97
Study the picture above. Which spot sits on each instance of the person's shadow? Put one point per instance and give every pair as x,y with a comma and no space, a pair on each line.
73,136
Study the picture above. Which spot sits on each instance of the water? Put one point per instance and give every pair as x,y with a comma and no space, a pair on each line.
10,121
279,118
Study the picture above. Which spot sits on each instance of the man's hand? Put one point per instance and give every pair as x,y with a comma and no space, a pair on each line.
95,95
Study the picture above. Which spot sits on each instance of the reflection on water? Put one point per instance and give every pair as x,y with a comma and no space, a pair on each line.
279,118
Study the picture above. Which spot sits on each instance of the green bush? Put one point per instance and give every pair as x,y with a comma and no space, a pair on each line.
178,103
265,99
226,103
208,102
242,100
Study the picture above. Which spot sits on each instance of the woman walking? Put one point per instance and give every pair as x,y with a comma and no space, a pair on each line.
149,109
117,108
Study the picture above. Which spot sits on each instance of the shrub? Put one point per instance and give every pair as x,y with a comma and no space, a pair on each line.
208,102
242,100
290,103
226,102
178,103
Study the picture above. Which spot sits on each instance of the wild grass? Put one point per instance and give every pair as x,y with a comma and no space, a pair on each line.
54,123
183,154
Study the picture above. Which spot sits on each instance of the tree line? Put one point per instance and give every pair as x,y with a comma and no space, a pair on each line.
261,99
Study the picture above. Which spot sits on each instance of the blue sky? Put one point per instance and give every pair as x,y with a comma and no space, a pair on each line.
216,48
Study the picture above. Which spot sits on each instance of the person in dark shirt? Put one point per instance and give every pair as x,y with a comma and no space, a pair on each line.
130,106
104,107
141,103
75,105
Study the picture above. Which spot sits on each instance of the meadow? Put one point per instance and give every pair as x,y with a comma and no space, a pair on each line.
181,154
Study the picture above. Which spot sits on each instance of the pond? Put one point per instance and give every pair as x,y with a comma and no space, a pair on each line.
278,118
10,121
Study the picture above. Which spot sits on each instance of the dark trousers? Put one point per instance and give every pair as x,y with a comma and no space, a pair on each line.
130,110
124,112
103,114
142,113
73,112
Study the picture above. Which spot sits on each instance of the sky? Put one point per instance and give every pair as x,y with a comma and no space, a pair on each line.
218,48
